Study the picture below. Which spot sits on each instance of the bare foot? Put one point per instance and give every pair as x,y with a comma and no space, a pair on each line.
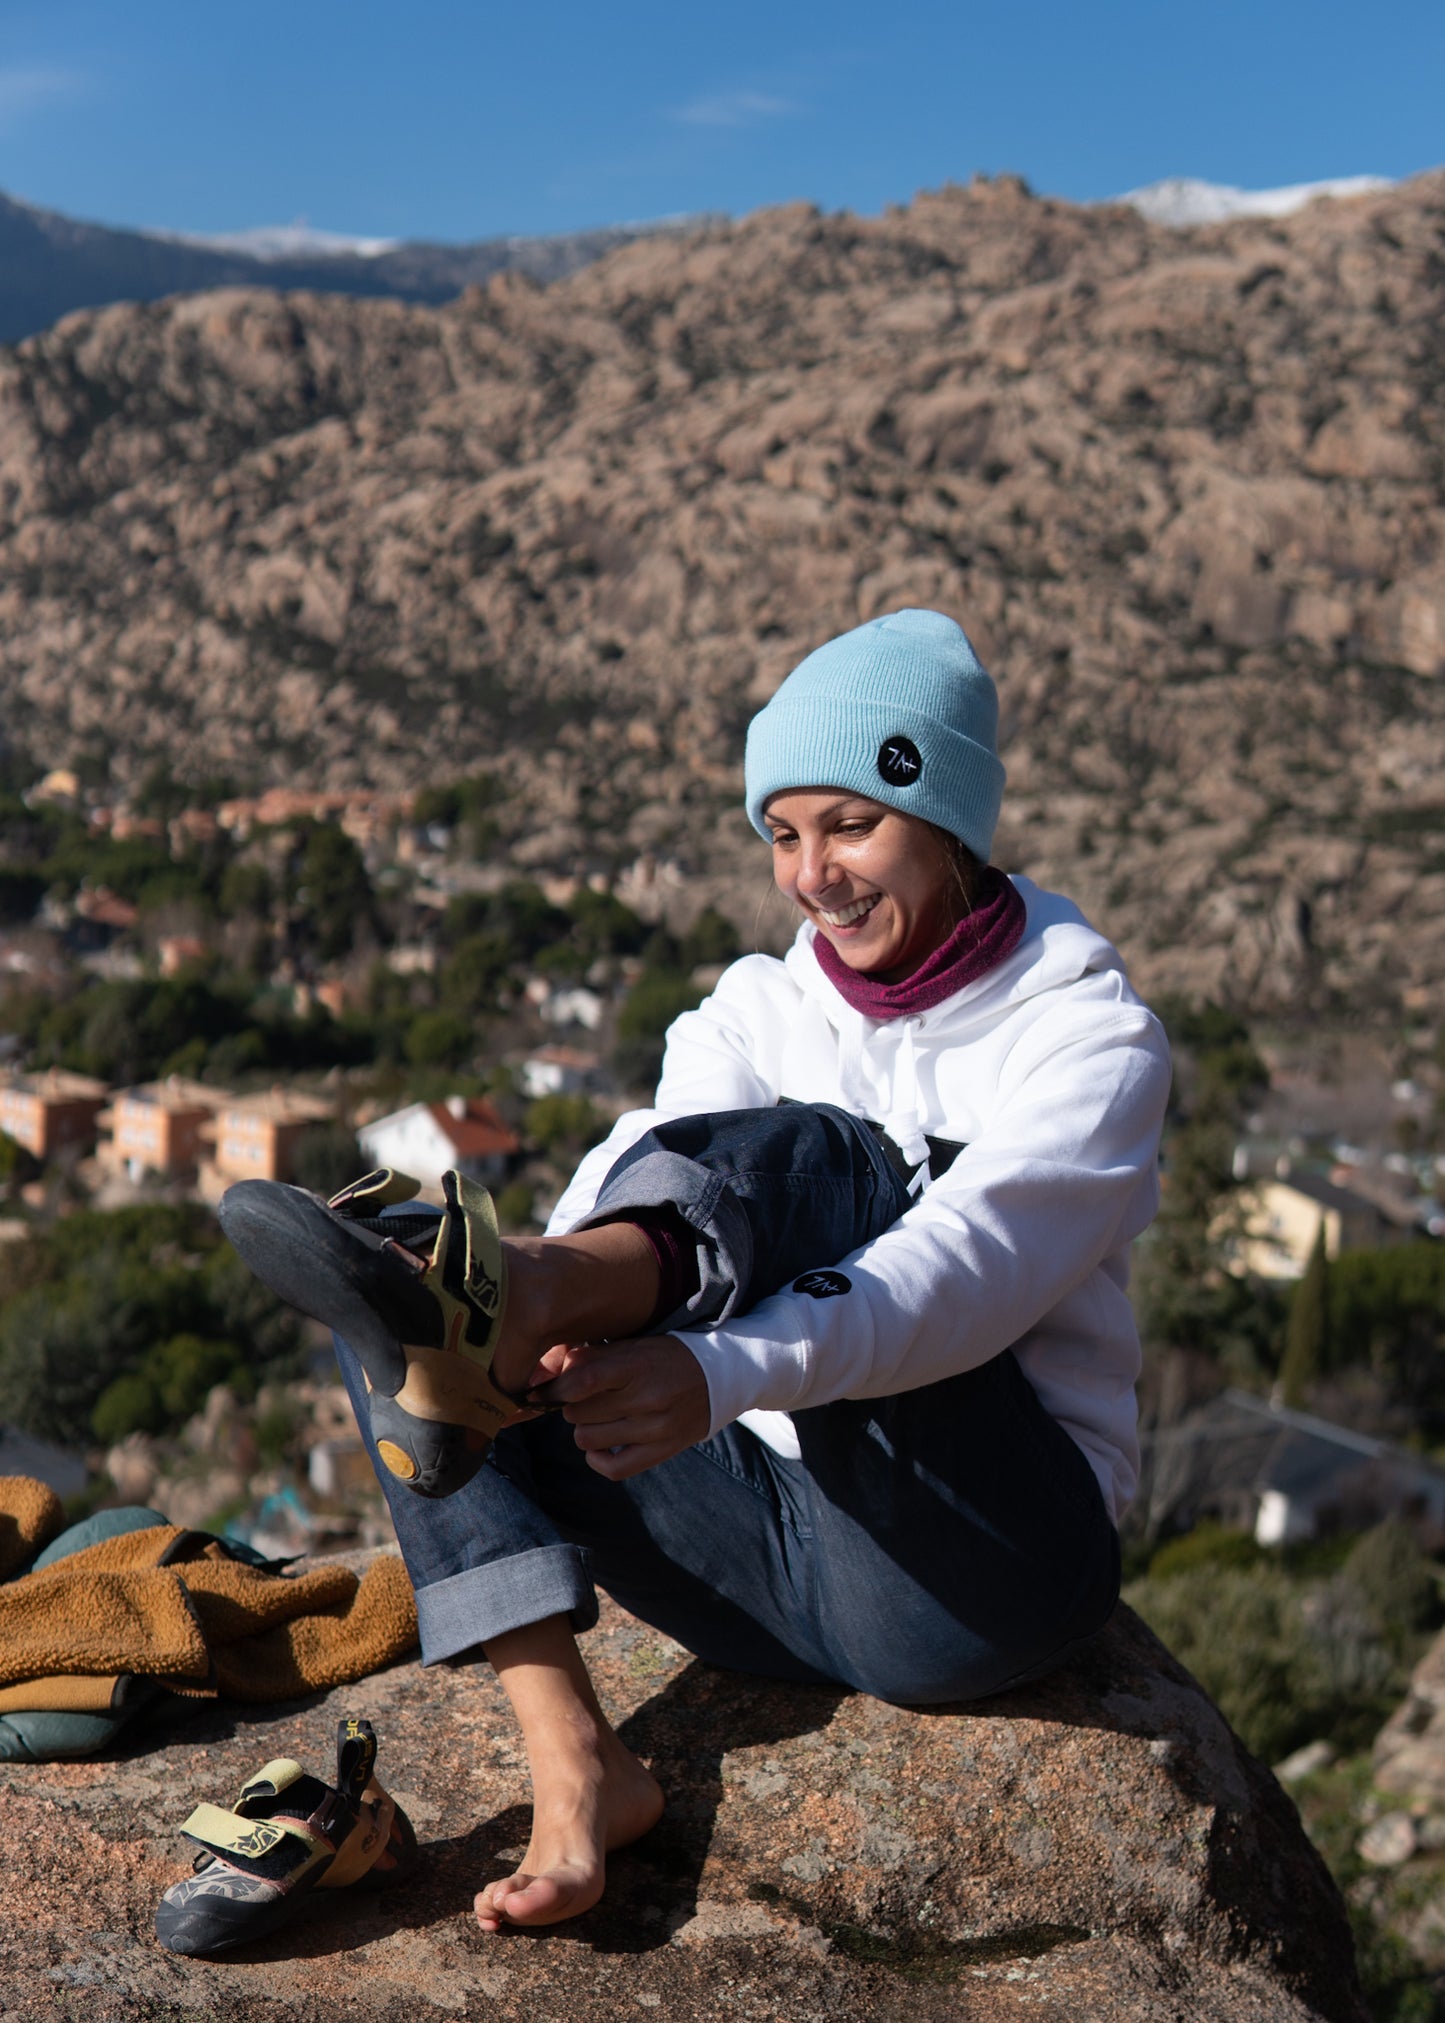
600,1799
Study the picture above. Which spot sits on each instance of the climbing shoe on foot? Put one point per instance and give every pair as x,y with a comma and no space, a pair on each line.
417,1293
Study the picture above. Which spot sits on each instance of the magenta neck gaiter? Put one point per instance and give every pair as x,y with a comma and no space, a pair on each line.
979,943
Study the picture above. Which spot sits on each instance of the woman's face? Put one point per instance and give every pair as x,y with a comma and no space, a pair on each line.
876,882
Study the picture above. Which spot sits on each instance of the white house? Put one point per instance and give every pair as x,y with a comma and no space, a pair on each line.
558,1071
425,1139
576,1007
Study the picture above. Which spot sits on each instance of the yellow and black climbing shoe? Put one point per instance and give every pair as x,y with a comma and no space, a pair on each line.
418,1293
288,1835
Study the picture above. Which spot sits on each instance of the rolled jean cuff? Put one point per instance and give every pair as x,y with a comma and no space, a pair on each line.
469,1608
707,1205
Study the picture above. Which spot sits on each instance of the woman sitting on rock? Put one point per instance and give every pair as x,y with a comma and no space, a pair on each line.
838,1328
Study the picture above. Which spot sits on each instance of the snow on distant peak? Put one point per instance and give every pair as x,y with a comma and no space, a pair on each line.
1183,200
296,241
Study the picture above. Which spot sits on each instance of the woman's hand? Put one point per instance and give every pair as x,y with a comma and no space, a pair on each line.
634,1403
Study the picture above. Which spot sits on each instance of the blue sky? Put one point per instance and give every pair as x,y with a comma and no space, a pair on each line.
433,119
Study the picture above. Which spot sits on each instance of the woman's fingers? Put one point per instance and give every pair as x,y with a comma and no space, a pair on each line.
633,1403
554,1361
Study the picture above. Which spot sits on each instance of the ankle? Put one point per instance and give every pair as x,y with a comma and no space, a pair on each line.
594,1285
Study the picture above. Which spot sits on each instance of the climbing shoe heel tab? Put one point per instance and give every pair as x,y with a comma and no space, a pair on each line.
269,1782
355,1757
384,1187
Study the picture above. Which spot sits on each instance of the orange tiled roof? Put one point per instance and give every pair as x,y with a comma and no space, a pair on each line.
478,1133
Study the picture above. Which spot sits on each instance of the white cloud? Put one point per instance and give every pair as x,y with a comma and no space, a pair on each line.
27,88
733,108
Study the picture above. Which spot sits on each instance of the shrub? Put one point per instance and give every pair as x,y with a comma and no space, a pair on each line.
149,1293
1291,1657
1234,1628
471,980
185,1369
568,1124
655,1000
276,1429
327,1158
128,1405
712,938
602,925
1387,1565
514,1204
434,1039
1206,1545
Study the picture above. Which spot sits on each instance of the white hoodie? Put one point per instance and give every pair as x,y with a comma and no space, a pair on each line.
1052,1075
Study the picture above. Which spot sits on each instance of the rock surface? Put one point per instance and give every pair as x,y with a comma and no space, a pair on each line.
1183,487
1094,1849
1410,1748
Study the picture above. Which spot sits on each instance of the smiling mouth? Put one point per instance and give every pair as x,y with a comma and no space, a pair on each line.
848,915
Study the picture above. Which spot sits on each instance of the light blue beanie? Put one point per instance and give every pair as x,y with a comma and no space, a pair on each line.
900,709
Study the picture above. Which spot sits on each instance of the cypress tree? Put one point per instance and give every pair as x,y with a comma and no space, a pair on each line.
1307,1331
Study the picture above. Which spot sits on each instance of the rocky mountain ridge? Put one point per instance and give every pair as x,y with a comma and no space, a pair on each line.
1183,488
51,264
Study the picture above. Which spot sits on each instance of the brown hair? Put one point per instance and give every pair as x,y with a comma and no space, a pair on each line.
965,870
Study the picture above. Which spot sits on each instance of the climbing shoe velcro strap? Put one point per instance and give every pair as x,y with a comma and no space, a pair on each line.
383,1188
270,1848
472,1271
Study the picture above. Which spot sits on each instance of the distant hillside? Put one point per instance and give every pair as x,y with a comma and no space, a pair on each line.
1184,487
51,264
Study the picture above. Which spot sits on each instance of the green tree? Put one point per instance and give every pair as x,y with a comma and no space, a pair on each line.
514,1204
1307,1331
327,1159
105,1296
602,925
711,939
564,1124
655,1000
334,890
464,806
471,980
437,1039
1387,1312
128,1404
245,890
1184,1295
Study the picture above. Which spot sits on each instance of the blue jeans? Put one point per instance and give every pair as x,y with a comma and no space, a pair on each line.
936,1545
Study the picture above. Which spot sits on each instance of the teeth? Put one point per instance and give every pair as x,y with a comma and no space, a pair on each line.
850,913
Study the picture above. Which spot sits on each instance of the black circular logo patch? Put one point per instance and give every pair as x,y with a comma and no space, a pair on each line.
823,1284
899,762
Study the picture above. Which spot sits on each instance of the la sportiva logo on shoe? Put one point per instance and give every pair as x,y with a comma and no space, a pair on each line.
823,1284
